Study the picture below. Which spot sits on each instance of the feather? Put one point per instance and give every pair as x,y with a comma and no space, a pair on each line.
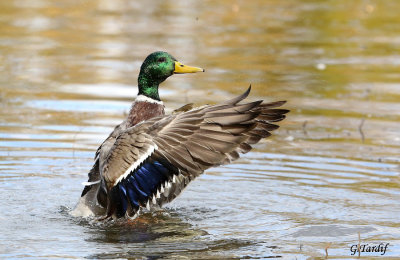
184,108
197,151
236,100
232,119
266,126
274,111
149,162
228,109
215,144
244,148
271,117
272,104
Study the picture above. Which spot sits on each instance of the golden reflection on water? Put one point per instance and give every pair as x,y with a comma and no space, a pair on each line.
68,72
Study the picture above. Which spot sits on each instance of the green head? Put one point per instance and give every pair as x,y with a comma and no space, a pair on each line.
156,68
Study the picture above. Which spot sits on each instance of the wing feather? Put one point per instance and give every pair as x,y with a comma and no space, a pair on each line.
183,145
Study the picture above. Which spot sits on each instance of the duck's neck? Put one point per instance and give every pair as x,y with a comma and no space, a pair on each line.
144,108
148,87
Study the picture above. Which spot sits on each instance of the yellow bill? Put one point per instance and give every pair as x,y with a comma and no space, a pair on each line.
181,68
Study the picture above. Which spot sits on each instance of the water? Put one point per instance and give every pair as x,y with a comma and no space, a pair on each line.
68,74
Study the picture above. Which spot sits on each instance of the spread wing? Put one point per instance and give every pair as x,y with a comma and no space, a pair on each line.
150,163
92,185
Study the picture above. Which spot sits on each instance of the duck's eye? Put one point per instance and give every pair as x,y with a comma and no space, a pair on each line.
162,59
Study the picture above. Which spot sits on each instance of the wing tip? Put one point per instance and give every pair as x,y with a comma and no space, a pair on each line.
239,98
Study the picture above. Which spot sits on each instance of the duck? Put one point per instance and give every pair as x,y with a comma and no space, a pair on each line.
148,159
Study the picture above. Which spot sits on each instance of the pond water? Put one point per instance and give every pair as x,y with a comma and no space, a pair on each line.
329,175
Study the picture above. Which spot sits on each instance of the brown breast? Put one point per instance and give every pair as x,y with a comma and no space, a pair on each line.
142,111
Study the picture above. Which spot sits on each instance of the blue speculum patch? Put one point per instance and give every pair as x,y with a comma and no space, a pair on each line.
140,185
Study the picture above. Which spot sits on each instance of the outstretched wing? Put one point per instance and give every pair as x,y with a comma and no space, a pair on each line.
102,151
152,162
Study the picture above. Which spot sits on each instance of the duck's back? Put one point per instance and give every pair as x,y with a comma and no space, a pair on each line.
94,195
148,159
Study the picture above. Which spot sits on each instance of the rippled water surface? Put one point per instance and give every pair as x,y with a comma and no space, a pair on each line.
68,74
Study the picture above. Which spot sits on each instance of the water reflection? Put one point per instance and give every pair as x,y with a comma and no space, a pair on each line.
146,228
157,235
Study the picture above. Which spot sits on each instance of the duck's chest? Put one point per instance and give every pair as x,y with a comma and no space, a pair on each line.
143,110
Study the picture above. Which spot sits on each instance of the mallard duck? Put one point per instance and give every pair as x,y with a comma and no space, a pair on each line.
151,157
